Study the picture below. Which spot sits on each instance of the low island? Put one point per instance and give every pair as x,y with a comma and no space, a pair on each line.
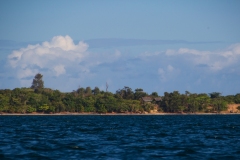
37,100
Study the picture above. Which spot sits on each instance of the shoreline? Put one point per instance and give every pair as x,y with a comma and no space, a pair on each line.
109,114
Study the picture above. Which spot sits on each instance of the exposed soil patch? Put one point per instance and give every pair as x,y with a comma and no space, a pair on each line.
232,108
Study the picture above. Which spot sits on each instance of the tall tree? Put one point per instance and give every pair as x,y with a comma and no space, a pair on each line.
88,91
125,93
38,82
81,91
215,94
139,93
154,94
96,91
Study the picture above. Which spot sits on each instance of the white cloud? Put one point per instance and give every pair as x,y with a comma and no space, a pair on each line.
53,55
41,54
59,69
168,73
235,48
232,54
65,43
215,60
26,73
66,65
192,51
58,57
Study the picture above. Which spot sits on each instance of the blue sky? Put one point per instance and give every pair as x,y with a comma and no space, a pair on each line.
155,45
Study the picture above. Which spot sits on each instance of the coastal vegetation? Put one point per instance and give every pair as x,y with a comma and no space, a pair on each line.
46,100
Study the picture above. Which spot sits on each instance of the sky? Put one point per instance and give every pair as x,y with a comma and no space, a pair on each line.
159,46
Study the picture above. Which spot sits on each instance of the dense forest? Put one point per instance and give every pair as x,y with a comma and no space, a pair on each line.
45,100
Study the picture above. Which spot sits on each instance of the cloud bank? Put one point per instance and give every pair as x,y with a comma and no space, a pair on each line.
66,66
53,56
59,59
214,61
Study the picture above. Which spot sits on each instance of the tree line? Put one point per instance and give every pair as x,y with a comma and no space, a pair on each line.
45,100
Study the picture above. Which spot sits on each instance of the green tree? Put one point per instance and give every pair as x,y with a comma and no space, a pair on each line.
59,106
101,109
219,104
125,93
96,91
181,108
43,108
51,109
34,100
203,101
88,104
215,94
4,102
79,105
165,102
237,98
193,105
81,91
30,109
38,82
148,107
134,105
88,91
139,93
69,101
230,99
154,94
174,102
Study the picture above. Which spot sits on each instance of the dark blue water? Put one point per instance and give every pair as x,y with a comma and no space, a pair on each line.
120,137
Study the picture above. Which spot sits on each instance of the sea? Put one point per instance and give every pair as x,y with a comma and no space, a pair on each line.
120,137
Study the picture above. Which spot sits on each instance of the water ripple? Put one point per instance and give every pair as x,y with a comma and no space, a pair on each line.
120,137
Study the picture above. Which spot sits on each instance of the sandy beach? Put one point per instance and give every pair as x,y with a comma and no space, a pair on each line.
108,114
